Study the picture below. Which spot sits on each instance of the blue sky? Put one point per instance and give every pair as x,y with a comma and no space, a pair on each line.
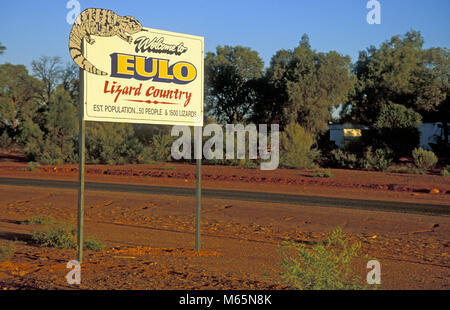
30,29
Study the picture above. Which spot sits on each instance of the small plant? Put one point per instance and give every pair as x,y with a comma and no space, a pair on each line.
64,236
424,159
322,174
60,236
380,160
6,251
407,169
325,266
248,163
343,159
39,220
446,171
295,148
32,166
93,243
160,148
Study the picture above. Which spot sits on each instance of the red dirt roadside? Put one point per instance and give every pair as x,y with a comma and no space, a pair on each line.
150,237
344,183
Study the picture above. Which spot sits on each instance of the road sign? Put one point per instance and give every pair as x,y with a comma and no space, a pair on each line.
132,74
155,79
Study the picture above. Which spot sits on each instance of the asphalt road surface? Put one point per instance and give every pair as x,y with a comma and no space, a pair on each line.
319,201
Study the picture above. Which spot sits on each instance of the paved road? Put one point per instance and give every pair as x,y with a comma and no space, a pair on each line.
319,201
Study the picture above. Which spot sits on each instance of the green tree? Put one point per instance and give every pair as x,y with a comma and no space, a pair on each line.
18,97
400,72
56,116
310,84
50,71
2,48
62,122
434,89
70,80
271,92
32,139
397,116
395,129
229,76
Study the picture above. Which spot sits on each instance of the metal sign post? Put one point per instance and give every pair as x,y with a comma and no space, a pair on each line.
81,155
198,189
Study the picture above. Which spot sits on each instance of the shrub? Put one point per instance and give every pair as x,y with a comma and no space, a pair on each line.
396,129
248,163
441,148
160,150
407,169
343,159
324,144
5,141
394,115
50,155
42,149
169,167
135,153
400,140
114,143
31,138
379,160
64,236
60,236
322,174
39,220
296,152
446,171
325,266
32,166
6,251
424,159
93,243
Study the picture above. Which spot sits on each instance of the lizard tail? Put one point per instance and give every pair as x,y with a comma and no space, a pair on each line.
77,55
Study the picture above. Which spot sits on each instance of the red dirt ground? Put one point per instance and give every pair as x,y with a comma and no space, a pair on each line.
150,237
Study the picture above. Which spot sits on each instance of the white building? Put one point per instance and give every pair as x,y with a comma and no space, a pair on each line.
342,133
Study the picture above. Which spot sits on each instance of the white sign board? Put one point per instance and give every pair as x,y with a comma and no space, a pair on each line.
152,77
